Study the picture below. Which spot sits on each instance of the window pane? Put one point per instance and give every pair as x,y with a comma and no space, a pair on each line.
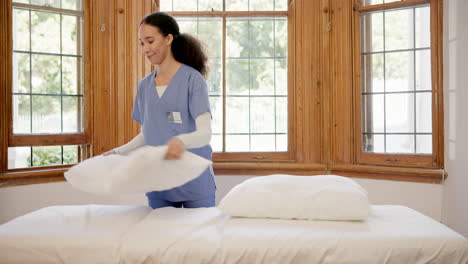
237,143
165,5
281,142
281,77
216,103
236,72
423,26
237,38
187,25
373,116
46,116
210,5
262,37
237,5
46,74
18,157
372,37
70,35
372,73
281,37
263,143
45,29
50,3
373,143
424,112
44,156
281,5
399,29
20,30
217,142
70,154
184,5
71,66
256,72
215,78
262,115
423,70
262,72
210,32
72,4
237,115
21,1
72,114
21,73
424,144
399,113
21,114
262,5
399,71
281,113
400,144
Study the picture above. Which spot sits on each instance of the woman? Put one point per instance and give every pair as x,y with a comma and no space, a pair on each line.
172,107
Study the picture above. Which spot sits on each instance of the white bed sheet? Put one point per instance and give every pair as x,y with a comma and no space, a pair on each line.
125,234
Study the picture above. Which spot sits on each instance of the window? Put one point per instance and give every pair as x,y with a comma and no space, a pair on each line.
399,120
247,44
47,92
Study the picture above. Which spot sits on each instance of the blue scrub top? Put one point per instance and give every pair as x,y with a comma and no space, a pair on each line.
187,94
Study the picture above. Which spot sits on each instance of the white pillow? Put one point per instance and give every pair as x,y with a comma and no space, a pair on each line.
321,197
143,170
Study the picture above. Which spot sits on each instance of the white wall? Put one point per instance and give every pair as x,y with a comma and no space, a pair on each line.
19,200
456,112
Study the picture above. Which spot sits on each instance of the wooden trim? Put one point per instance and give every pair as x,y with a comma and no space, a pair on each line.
33,173
237,168
400,4
5,79
88,76
223,83
435,160
291,70
28,181
437,82
252,156
229,13
340,102
48,9
390,173
48,140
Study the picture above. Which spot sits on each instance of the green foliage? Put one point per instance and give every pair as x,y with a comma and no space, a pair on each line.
43,156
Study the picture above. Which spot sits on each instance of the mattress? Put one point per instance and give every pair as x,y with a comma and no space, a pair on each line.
132,234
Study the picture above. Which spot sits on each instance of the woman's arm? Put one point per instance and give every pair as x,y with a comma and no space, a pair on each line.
202,134
136,142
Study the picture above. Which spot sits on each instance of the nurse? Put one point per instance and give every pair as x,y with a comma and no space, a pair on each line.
172,107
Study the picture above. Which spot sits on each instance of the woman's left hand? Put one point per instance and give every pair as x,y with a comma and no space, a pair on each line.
175,149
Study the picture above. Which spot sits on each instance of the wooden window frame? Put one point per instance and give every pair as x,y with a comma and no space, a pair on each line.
224,160
324,114
434,160
50,173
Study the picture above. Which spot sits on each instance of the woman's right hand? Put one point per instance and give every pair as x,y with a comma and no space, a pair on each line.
110,152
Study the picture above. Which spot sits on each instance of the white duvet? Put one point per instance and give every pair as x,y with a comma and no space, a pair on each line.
125,234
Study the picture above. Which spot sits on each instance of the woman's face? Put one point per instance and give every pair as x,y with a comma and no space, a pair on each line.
153,44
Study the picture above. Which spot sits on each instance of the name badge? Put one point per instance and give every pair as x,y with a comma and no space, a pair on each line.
174,117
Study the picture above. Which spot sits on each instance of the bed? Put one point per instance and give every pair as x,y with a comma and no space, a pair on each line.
136,234
273,219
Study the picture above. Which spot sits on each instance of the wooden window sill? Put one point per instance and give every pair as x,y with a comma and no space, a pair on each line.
230,168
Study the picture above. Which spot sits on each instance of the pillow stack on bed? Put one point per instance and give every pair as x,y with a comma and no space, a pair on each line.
143,170
322,197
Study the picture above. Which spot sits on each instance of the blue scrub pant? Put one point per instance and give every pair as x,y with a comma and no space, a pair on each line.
205,202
